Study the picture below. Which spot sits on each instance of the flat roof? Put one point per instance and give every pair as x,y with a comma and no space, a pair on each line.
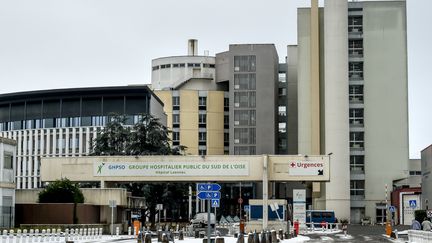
68,92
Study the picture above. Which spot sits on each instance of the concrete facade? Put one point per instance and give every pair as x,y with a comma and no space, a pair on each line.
63,122
369,132
195,120
7,182
426,181
256,101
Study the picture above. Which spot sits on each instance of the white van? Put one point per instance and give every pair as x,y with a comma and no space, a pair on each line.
200,220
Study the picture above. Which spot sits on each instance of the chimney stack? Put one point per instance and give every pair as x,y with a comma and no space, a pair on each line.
192,47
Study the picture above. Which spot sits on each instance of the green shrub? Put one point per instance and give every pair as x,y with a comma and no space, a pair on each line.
61,191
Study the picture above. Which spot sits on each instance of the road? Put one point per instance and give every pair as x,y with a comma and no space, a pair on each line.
358,233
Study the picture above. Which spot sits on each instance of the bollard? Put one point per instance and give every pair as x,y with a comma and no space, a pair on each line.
164,238
281,234
273,236
43,235
147,238
18,236
181,236
256,237
240,238
58,234
159,235
263,237
117,231
25,236
100,232
219,240
250,237
130,231
32,236
48,235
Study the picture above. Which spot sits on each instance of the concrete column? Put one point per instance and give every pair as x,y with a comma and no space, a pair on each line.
337,195
265,192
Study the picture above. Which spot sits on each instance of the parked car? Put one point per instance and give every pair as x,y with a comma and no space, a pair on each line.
200,220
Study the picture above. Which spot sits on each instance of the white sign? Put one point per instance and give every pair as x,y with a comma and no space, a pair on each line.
171,168
159,206
429,213
299,212
299,205
299,195
112,203
306,168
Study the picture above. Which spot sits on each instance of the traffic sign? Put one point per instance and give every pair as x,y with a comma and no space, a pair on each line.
208,195
429,213
412,203
392,209
208,187
246,208
215,203
240,200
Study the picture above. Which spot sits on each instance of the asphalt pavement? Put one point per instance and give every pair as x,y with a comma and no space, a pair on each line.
359,233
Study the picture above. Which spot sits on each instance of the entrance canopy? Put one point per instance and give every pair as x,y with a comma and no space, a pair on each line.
187,168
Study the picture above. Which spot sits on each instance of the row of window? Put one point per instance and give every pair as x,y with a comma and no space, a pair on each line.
63,122
182,65
202,102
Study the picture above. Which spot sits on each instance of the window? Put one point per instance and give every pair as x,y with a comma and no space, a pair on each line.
178,65
355,70
357,187
355,24
194,65
282,77
356,93
282,110
355,47
244,135
202,136
244,99
412,172
356,116
155,68
244,150
244,63
202,151
244,117
245,81
226,104
202,101
357,163
8,161
176,101
176,118
202,118
356,140
282,127
165,66
176,136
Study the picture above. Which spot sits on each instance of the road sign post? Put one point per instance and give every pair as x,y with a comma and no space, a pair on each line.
209,192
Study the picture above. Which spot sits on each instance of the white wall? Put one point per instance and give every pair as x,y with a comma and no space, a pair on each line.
336,106
385,98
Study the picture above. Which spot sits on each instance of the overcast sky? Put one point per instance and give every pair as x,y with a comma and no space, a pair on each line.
48,44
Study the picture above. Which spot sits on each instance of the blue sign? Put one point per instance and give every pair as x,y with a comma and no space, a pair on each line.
412,203
392,209
246,208
208,187
209,195
215,203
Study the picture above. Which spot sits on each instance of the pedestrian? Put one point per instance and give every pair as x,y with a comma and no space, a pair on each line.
427,225
415,225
